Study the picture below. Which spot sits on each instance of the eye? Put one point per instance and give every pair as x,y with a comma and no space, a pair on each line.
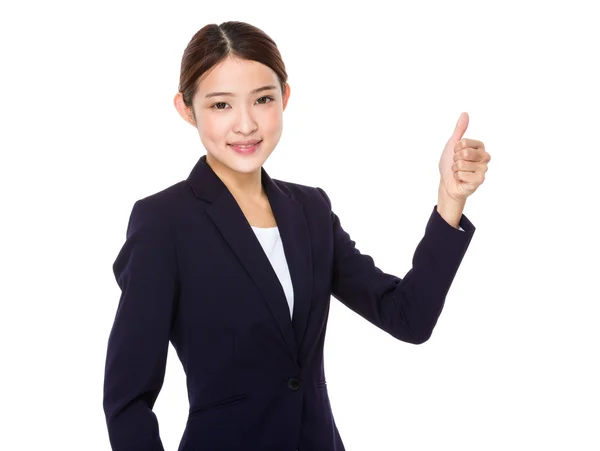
269,98
219,103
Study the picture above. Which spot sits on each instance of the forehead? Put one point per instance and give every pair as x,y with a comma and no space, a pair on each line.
237,76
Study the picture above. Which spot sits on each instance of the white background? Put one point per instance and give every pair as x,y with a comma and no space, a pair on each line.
88,127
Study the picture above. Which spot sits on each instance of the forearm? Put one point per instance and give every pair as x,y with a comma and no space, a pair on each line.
449,209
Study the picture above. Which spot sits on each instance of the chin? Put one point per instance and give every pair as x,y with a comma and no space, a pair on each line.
244,164
246,168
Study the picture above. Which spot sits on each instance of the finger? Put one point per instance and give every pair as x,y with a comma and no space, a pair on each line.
469,166
461,126
468,177
466,142
472,154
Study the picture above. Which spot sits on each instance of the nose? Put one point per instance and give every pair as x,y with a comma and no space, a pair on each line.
244,121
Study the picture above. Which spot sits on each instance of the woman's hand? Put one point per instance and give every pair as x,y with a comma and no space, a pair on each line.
463,164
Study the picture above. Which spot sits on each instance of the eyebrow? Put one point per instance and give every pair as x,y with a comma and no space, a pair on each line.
254,91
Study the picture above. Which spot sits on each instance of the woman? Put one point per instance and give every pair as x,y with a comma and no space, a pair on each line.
236,269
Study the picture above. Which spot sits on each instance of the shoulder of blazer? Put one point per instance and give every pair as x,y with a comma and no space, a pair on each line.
167,195
159,206
306,195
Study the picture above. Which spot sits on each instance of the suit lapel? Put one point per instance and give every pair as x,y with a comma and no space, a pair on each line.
293,228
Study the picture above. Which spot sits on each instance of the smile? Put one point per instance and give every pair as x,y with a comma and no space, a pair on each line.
246,149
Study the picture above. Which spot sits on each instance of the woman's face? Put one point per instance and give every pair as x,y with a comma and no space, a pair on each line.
231,106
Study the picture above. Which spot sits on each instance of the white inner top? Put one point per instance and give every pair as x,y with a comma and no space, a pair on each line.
270,241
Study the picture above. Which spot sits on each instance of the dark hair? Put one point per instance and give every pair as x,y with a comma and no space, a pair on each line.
213,43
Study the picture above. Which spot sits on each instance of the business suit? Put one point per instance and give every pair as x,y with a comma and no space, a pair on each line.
192,272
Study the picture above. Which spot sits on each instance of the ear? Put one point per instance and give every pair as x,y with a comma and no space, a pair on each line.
184,111
286,95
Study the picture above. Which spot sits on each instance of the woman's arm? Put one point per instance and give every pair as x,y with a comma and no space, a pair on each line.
407,308
146,271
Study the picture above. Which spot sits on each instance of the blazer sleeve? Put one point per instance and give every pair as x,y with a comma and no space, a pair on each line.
146,271
407,308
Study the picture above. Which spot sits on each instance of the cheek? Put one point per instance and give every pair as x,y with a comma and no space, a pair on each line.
273,121
213,127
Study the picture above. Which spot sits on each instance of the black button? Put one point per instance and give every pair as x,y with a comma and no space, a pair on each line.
294,383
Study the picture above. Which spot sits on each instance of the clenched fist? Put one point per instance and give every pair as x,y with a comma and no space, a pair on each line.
463,164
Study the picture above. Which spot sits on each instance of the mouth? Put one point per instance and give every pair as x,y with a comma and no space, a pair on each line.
245,149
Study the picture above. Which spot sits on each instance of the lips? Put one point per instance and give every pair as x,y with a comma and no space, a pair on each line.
245,143
246,149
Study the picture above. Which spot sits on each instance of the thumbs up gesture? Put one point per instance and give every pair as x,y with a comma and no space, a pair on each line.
463,164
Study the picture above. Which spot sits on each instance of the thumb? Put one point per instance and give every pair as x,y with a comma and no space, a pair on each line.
461,127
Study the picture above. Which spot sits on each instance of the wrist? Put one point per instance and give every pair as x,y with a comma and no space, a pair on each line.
450,209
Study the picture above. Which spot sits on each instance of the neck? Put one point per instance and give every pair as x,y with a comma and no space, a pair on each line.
246,186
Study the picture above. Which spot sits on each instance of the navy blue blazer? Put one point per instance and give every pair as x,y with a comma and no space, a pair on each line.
193,273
